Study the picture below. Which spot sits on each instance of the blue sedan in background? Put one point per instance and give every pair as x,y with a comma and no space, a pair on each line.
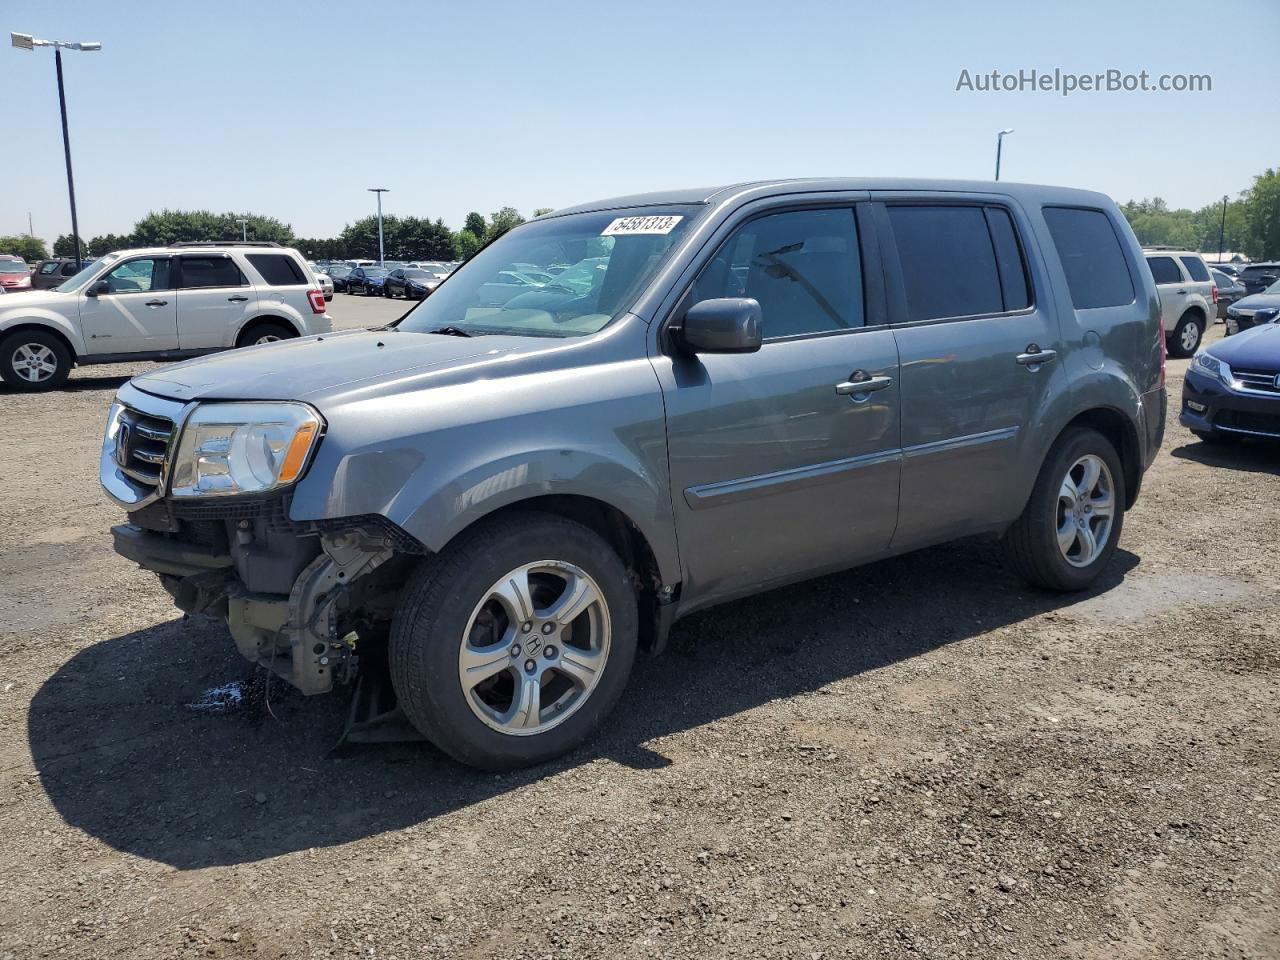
1232,389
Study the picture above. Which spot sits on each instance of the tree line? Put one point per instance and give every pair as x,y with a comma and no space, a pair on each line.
1252,227
404,238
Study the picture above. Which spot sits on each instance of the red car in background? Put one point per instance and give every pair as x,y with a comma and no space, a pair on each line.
14,274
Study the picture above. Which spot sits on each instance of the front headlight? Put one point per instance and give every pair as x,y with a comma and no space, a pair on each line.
1211,366
235,448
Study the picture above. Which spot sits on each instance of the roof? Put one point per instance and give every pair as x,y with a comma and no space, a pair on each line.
764,188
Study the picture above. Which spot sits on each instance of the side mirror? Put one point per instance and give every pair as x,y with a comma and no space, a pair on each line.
724,325
97,288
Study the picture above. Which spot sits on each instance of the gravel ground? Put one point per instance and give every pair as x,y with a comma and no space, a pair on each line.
920,757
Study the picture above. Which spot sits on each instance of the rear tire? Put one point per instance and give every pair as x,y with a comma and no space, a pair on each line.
1070,527
260,333
1186,336
32,361
535,697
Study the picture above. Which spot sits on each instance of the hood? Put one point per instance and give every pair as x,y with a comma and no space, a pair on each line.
1254,349
327,367
1258,301
40,298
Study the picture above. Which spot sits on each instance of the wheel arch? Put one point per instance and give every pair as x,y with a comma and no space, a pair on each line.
1122,432
263,319
44,328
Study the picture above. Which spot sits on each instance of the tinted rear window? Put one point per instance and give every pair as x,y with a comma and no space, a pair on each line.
1164,270
948,263
1013,269
1195,266
211,272
1091,257
278,269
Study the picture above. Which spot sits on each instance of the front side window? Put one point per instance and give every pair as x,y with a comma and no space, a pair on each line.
507,288
1195,266
139,276
801,266
200,272
1091,257
1164,270
948,262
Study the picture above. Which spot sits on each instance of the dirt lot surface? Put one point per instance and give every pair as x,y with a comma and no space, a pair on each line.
918,758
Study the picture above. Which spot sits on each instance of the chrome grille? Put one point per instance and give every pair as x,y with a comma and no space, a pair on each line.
1263,381
142,441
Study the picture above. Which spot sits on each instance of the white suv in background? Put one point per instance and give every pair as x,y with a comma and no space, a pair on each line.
1188,297
162,303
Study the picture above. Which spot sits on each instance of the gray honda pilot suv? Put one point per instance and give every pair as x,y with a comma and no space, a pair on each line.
630,410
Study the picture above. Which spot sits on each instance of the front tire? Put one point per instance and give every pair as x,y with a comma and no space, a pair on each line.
1069,529
1186,336
511,645
32,361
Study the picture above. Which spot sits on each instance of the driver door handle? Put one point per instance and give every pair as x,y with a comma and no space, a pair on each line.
864,385
156,303
1035,356
237,299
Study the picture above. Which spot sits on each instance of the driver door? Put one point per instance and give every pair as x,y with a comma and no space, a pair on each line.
137,313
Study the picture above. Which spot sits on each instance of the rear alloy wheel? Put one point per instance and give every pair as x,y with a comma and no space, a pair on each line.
266,333
1186,337
510,646
32,361
1071,524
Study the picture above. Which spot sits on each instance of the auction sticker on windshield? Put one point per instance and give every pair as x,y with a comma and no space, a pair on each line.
625,226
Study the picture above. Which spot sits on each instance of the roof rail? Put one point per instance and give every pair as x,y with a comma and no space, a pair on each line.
226,243
1159,246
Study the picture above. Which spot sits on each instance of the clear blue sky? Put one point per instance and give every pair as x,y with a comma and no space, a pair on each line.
291,109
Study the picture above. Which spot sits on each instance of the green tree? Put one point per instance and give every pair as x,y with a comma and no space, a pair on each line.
475,223
466,244
21,245
109,243
502,221
179,226
65,246
539,211
1262,235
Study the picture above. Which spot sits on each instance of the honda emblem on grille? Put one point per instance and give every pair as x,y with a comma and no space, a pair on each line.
122,443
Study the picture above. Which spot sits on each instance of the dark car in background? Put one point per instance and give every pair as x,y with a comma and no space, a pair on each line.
366,280
1232,389
410,282
1256,277
1254,310
338,273
1229,290
14,274
48,274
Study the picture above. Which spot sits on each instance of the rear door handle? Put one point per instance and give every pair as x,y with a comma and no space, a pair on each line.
855,388
156,303
237,299
1035,357
1182,293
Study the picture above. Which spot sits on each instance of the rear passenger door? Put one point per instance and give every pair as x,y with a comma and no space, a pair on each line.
214,298
979,362
779,465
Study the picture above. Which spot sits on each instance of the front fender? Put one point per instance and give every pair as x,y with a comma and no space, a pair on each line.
35,316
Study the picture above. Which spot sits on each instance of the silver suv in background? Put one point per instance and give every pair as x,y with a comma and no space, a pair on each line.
485,509
1188,296
159,303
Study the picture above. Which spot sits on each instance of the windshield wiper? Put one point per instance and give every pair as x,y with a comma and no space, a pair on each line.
450,332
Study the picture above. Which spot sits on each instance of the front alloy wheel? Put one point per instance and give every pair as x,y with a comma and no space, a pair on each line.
32,361
511,645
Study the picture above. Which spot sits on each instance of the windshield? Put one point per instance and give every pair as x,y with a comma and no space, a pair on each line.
374,272
507,287
72,284
1274,288
419,275
12,266
335,271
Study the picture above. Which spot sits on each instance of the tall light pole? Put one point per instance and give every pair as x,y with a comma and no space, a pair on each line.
244,228
1222,231
380,191
1000,143
25,41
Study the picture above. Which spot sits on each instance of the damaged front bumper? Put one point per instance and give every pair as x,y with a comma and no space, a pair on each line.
298,598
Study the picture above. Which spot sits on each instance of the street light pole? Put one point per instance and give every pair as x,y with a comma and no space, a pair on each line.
244,228
24,41
1222,231
380,191
999,144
